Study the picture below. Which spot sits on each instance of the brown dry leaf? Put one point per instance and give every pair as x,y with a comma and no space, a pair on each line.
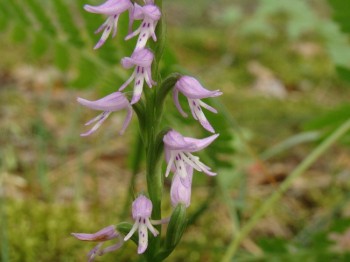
266,83
264,173
272,225
12,186
312,180
341,241
38,79
307,49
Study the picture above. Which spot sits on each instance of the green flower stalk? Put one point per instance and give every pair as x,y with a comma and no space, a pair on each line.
148,106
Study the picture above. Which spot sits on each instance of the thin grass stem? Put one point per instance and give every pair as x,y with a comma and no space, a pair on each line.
297,172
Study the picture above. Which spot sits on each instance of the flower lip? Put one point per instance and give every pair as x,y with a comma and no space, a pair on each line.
142,207
110,7
142,57
192,89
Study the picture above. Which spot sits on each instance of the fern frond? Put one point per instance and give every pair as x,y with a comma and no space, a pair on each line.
66,22
18,12
42,19
62,31
341,14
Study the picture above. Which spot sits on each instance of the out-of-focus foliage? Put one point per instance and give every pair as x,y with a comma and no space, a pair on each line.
338,44
61,32
341,15
299,21
58,183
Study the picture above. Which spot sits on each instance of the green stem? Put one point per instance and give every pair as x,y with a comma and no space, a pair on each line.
135,165
153,172
3,231
297,172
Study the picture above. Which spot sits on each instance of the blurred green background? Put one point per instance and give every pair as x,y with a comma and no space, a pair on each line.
283,68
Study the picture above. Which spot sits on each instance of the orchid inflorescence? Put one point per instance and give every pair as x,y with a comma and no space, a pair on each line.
178,149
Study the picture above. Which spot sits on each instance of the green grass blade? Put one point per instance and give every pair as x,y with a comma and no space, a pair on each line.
66,22
40,15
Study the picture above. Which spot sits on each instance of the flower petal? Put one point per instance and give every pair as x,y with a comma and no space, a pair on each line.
132,231
141,207
199,115
175,141
208,107
113,102
93,252
113,247
110,7
151,228
177,102
191,88
127,120
101,118
152,12
142,57
138,87
200,143
107,31
170,161
132,77
104,234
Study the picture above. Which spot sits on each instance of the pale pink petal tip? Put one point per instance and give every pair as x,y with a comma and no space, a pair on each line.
99,44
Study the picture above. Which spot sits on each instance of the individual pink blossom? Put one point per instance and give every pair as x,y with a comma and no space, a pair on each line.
194,91
178,155
150,14
141,213
105,234
142,60
111,8
113,102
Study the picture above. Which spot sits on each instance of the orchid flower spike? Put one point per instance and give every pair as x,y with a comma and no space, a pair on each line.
111,8
113,102
178,155
141,213
194,91
105,234
150,14
180,193
142,60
